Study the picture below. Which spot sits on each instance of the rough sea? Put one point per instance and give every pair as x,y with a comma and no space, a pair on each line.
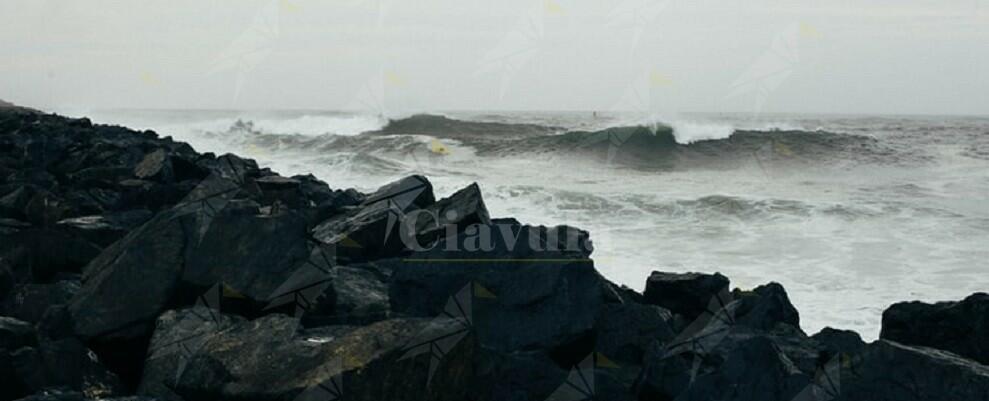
849,213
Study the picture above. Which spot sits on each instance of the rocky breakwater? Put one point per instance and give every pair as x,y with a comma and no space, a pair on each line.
133,267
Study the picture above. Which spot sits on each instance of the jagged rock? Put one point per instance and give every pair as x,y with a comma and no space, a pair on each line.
373,229
250,252
837,341
720,363
355,295
624,332
686,294
961,327
365,364
15,334
764,307
888,371
178,336
531,288
450,215
133,280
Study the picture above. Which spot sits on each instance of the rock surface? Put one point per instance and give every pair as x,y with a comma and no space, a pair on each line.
131,264
961,327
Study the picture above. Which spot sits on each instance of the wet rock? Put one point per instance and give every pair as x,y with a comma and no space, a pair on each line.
526,290
250,252
624,332
686,294
961,327
765,307
450,215
887,371
837,341
373,229
365,364
354,295
715,364
133,280
178,336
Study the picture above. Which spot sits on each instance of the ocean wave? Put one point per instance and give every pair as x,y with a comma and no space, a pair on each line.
651,146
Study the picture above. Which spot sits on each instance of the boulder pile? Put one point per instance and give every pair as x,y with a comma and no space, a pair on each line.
134,268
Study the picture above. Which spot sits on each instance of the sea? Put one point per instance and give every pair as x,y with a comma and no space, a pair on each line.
851,213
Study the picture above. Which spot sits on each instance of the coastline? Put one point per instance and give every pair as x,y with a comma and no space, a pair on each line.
174,267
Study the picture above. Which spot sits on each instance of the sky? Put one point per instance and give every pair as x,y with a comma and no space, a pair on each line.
390,56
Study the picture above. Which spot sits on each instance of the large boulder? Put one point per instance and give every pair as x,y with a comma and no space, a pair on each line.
269,359
888,371
533,287
686,294
764,308
250,251
372,230
178,336
961,327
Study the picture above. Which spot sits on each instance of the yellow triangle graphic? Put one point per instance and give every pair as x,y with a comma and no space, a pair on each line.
348,242
481,292
602,361
229,292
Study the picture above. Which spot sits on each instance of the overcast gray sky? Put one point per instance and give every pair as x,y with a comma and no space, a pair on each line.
904,56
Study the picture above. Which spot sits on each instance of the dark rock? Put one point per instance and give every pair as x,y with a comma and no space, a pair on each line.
355,295
65,395
625,331
65,364
450,215
178,336
15,334
366,364
56,323
29,302
50,251
764,307
961,327
838,341
251,253
527,290
686,294
373,229
888,371
6,280
133,280
724,363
